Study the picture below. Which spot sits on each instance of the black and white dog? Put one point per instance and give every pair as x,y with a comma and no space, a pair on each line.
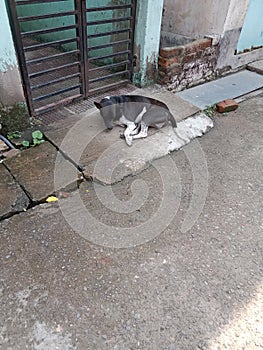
136,112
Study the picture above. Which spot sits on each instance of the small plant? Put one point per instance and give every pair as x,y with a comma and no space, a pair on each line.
25,143
13,135
37,139
210,110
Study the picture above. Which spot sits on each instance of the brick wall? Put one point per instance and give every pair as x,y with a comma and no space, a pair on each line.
186,65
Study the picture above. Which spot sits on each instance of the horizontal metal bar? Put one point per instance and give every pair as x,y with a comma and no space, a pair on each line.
108,76
55,69
108,66
114,43
55,81
121,53
89,36
111,20
54,105
46,58
55,93
50,15
51,43
105,8
108,87
30,2
50,30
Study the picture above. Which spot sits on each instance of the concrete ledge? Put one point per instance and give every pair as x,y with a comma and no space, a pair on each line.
256,67
119,161
85,141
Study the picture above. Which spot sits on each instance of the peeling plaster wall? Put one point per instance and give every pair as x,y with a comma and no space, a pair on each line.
222,19
147,40
195,19
10,83
230,36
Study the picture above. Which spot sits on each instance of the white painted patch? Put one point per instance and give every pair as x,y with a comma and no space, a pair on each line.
142,153
188,129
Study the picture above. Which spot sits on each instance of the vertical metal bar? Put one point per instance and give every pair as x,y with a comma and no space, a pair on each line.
11,8
85,46
132,28
80,42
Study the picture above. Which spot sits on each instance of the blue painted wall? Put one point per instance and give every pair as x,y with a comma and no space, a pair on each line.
252,32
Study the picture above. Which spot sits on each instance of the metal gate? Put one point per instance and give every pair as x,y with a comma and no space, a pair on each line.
70,49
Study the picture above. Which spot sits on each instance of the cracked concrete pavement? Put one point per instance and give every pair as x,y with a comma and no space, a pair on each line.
199,288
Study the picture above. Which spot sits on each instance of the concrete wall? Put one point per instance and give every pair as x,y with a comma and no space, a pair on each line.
230,37
195,19
10,83
147,40
222,19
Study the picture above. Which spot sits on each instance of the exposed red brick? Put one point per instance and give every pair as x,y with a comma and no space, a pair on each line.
168,52
227,106
197,45
189,58
166,62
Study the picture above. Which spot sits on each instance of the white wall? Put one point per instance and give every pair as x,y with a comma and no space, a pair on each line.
10,83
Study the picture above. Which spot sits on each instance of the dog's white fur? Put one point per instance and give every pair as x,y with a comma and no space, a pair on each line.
136,116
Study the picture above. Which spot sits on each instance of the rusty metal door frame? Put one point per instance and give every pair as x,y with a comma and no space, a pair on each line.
76,70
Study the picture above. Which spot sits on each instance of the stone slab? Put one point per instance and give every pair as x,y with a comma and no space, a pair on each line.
179,107
256,67
84,139
13,199
229,87
34,170
118,161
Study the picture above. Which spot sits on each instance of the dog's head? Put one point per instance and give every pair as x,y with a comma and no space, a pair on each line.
108,110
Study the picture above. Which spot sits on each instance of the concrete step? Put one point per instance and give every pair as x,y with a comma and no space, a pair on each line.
231,86
107,158
256,67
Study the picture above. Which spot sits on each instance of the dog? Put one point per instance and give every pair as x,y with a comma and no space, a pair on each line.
136,112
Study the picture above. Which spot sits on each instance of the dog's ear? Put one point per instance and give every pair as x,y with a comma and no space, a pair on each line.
98,105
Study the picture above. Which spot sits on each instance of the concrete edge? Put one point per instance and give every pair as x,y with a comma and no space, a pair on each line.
166,140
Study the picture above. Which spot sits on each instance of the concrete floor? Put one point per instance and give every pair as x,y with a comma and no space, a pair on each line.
191,279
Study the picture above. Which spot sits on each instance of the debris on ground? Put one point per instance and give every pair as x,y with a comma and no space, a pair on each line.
227,106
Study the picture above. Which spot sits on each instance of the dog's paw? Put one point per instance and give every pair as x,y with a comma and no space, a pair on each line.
129,141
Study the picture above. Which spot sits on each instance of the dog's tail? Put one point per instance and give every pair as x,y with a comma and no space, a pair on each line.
172,120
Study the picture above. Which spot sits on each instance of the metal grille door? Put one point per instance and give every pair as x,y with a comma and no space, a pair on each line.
70,49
